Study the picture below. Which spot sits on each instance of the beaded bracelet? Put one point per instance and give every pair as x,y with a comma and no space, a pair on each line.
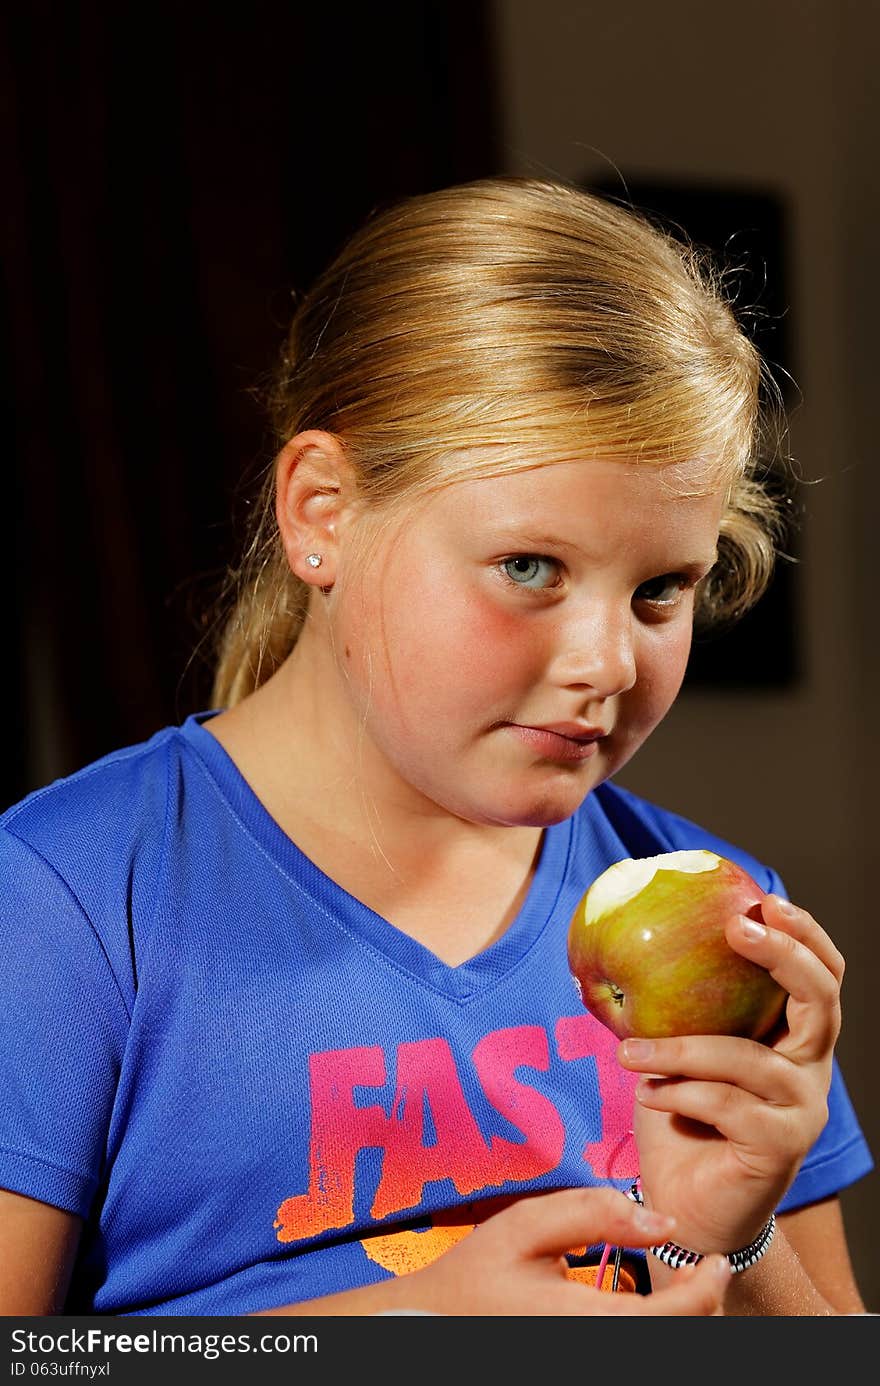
677,1256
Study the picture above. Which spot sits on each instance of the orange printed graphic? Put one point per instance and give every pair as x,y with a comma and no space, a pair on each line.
410,1250
406,1251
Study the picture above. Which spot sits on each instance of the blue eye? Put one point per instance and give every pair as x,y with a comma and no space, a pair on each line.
525,568
663,591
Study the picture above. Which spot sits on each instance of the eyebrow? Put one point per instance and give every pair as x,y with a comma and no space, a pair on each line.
537,541
534,542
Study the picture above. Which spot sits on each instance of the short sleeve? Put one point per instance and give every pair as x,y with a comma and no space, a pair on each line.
63,1029
839,1157
841,1154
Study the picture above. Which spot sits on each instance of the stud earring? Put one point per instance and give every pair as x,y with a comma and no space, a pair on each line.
314,560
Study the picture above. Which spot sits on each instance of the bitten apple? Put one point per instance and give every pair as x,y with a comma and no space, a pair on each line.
647,950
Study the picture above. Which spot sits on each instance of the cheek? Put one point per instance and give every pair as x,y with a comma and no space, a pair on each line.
487,642
458,650
662,666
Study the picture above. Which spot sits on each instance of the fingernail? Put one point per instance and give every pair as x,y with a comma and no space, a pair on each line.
784,906
752,929
722,1267
638,1050
653,1223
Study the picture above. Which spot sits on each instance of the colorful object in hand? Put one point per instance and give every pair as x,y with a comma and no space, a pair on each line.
649,957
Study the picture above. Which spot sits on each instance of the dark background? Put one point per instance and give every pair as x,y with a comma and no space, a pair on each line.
171,175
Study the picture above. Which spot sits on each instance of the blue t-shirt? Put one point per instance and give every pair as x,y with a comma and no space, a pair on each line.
254,1089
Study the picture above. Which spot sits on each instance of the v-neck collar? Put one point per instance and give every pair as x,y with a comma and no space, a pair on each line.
353,916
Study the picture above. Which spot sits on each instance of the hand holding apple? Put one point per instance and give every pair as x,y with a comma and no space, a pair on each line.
649,956
722,1124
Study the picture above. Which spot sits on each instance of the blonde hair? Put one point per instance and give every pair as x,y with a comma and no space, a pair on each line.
503,323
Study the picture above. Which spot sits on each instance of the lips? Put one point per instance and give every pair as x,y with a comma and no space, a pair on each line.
574,743
574,731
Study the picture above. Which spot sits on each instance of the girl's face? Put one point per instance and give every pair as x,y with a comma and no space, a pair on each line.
559,597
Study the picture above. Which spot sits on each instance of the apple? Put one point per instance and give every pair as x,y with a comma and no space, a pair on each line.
647,951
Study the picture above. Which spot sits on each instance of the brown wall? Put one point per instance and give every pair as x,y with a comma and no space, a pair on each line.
774,95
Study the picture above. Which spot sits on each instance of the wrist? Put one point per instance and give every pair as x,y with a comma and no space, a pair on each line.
676,1256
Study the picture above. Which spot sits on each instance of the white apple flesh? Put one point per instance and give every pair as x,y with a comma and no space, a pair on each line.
648,954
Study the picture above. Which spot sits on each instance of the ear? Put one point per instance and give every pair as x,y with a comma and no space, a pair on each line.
315,492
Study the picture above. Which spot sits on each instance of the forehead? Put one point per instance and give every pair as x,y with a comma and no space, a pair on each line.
569,496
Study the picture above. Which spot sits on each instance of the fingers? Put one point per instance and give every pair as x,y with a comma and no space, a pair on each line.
717,1059
799,955
752,1095
693,1290
551,1224
750,1125
520,1253
796,941
780,913
547,1225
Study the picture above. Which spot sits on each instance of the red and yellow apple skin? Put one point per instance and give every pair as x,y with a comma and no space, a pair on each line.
649,958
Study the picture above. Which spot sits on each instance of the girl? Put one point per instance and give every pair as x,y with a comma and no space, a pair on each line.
288,1022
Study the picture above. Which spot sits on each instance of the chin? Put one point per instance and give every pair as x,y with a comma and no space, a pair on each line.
541,810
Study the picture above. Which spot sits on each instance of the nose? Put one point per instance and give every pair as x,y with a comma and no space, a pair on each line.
595,651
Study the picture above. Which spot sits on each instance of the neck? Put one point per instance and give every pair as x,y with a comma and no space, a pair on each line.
299,744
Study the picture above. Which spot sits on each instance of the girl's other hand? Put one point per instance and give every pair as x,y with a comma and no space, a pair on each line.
514,1262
